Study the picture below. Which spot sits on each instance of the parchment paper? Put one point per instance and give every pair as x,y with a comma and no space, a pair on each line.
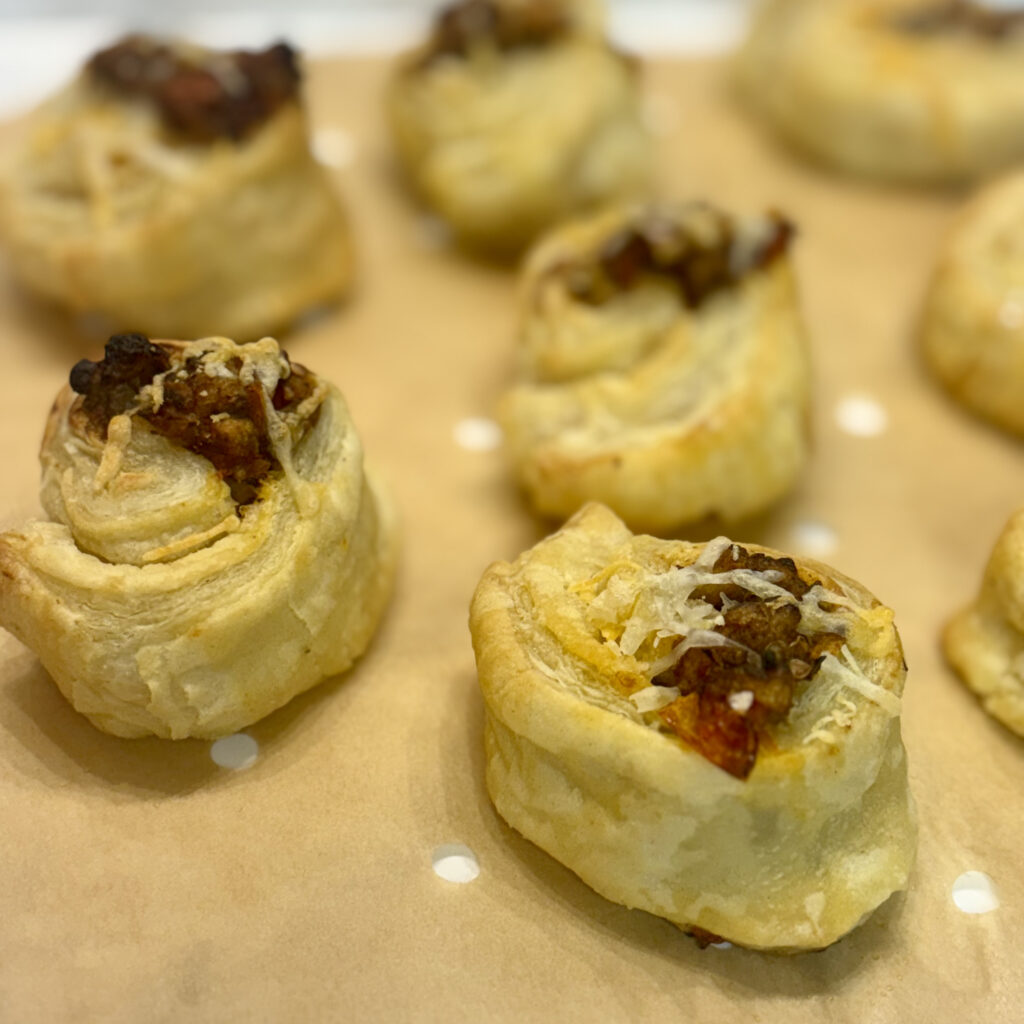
140,882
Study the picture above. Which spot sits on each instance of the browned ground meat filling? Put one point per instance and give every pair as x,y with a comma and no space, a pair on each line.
462,26
221,418
774,660
236,442
226,95
111,386
960,16
667,248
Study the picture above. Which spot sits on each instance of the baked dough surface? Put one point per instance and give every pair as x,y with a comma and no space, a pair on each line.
504,143
908,90
664,408
819,834
985,641
159,604
973,323
106,211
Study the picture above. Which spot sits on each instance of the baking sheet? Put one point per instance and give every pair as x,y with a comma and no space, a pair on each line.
140,881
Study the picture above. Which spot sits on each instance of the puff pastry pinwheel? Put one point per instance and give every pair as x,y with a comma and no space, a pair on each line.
921,91
664,367
214,546
709,732
515,113
973,323
171,190
985,641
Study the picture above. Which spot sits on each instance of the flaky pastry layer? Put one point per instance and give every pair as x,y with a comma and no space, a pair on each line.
106,211
502,144
984,642
159,604
972,328
665,409
794,856
907,90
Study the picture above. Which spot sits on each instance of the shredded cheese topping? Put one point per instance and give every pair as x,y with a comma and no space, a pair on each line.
655,619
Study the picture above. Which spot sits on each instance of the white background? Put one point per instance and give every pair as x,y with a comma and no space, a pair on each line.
42,42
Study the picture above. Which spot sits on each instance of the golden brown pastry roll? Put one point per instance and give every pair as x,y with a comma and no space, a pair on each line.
664,367
709,733
214,546
973,324
172,190
985,641
907,90
515,113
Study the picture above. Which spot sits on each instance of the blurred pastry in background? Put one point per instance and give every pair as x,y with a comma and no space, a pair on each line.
710,733
214,545
664,367
515,113
985,641
920,91
171,189
973,323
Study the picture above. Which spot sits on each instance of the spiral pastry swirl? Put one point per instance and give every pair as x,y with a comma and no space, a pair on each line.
706,732
664,367
918,91
171,189
214,545
972,329
514,114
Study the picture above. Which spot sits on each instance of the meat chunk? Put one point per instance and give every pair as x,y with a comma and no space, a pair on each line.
225,95
731,695
111,387
462,26
697,264
220,417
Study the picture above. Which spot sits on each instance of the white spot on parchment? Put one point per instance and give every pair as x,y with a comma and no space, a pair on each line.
236,752
861,415
975,893
814,538
334,148
1011,313
455,862
477,434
